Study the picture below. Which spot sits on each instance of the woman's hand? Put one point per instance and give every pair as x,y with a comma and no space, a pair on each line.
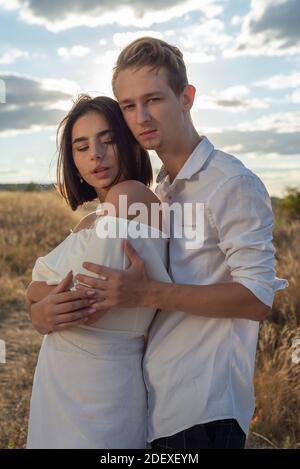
62,309
118,288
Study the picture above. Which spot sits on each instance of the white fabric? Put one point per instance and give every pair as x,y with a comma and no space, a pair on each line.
88,389
200,369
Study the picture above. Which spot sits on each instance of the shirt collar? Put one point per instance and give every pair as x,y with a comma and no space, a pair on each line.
193,164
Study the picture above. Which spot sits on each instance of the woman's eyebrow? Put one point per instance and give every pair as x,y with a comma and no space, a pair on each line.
99,134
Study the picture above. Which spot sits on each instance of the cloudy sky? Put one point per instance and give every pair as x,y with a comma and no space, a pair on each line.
243,57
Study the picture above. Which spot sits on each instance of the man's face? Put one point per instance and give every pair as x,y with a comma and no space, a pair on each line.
150,107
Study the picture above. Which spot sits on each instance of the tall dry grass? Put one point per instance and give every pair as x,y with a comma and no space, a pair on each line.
277,378
33,223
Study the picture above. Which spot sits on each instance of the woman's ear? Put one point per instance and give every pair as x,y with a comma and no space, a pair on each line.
188,96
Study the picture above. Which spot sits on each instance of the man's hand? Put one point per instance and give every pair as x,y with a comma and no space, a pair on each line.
62,309
117,288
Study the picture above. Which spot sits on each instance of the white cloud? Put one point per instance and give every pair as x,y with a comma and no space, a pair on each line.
9,4
295,97
235,92
58,16
278,82
109,57
197,57
281,122
12,55
236,20
123,39
203,35
75,51
34,103
234,148
232,99
270,28
30,161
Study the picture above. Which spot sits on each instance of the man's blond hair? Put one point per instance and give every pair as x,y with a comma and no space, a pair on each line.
156,54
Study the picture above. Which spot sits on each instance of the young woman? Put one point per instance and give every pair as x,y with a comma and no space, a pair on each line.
88,389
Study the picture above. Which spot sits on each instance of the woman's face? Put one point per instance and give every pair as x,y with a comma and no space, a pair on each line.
94,151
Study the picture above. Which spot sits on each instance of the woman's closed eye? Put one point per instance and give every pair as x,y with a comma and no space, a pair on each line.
82,148
86,147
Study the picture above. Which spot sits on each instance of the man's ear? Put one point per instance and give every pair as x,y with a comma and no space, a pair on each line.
188,96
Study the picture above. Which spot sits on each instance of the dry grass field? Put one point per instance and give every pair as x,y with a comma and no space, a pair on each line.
33,223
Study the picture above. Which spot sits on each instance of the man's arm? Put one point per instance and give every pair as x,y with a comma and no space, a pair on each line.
243,217
132,288
223,300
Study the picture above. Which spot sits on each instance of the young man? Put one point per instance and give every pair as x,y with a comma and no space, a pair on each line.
201,346
200,356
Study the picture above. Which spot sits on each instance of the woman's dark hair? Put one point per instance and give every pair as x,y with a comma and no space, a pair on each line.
133,159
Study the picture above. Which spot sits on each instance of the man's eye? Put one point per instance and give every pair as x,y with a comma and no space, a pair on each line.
128,107
153,99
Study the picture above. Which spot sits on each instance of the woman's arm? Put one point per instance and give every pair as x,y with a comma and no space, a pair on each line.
61,308
36,291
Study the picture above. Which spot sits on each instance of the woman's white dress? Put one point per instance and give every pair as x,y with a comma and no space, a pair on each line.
88,389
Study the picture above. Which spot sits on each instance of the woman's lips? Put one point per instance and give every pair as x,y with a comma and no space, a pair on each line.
101,173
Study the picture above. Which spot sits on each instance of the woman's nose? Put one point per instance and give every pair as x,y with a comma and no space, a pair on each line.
98,152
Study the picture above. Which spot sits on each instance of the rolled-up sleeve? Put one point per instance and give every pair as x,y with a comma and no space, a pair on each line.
242,213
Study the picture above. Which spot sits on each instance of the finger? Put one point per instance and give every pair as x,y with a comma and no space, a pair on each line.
64,283
70,317
103,305
100,269
89,281
131,252
84,288
68,325
74,295
72,306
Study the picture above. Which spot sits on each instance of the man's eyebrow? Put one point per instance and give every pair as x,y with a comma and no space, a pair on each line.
146,95
99,134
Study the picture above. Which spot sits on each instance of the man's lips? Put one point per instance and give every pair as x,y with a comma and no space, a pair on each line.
148,132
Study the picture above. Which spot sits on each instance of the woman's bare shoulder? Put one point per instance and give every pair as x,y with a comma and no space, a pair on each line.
140,203
85,223
136,191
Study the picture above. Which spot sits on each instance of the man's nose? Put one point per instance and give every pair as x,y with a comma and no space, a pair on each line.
142,114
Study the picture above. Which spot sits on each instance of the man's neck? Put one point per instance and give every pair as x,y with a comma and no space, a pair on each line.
176,155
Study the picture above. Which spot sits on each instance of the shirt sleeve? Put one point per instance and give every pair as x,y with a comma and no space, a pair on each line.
50,268
242,212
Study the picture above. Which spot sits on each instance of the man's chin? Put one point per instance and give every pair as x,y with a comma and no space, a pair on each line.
151,145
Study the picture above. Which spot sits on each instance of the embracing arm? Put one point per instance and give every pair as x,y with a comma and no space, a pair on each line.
132,287
244,220
223,300
36,291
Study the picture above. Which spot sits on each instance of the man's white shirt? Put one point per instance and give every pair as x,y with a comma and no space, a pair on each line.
199,369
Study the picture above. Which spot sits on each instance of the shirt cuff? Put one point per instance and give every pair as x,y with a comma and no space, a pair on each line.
262,292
